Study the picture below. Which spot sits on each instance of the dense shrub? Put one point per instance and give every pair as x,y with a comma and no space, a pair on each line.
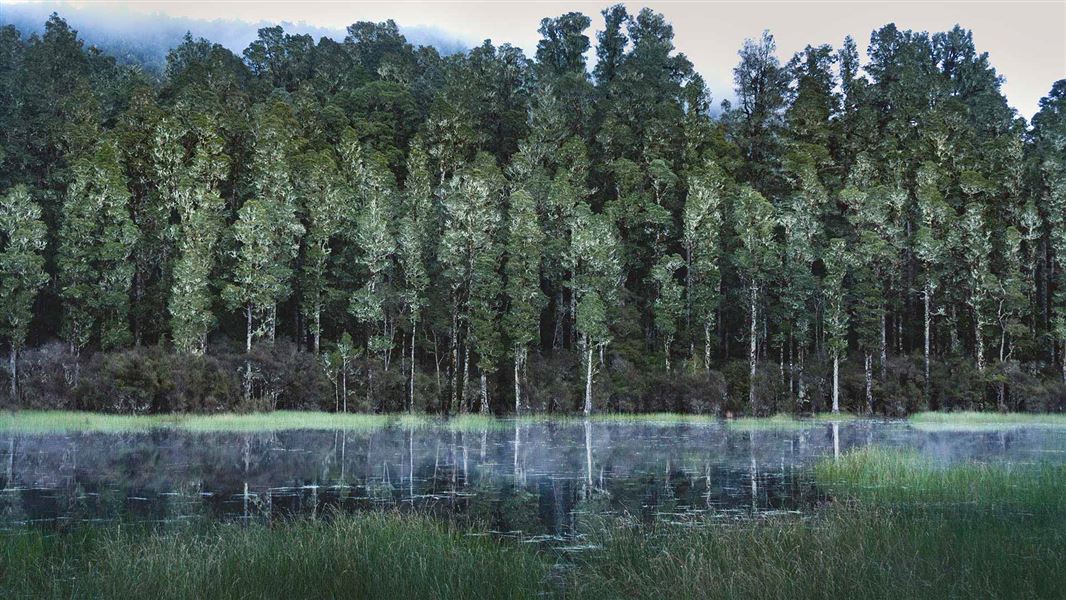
46,376
152,380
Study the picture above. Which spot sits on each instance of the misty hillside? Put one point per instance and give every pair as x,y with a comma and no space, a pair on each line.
137,38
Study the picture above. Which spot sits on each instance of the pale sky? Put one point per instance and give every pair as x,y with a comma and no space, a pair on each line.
1026,40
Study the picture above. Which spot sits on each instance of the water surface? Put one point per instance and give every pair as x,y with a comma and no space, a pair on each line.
532,480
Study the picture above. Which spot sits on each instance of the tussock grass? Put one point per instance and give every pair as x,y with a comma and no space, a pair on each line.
977,421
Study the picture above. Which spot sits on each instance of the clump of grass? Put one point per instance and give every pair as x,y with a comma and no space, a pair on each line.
902,528
787,421
830,416
778,421
901,478
976,421
658,418
368,556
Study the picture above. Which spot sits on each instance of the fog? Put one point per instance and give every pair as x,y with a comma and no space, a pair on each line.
136,37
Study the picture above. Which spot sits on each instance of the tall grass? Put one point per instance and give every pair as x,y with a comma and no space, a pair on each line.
874,476
901,528
369,556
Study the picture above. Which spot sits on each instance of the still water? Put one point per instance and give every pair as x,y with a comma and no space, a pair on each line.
531,480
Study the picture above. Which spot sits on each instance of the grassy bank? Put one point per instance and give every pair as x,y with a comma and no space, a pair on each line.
32,421
899,527
59,421
976,421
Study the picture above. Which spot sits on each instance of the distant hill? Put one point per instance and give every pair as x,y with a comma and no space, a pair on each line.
144,39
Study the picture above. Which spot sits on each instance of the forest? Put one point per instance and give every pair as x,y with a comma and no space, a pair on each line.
367,225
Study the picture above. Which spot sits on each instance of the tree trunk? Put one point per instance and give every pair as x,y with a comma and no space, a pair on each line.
518,351
248,351
273,322
14,375
884,343
369,378
466,377
484,408
588,379
344,385
928,332
979,340
869,383
753,347
455,362
707,346
318,329
411,399
836,383
558,332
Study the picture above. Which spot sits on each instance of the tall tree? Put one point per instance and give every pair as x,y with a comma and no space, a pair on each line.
267,233
95,243
22,274
754,221
189,185
376,245
760,83
415,243
524,296
327,218
931,248
597,276
468,249
669,304
836,310
702,241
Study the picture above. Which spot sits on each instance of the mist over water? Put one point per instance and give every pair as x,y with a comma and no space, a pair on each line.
534,481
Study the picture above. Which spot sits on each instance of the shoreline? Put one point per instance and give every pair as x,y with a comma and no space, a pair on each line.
53,421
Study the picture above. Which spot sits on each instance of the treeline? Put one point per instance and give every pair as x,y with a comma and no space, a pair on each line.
366,224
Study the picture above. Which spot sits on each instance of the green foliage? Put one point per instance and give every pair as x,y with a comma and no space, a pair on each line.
836,302
702,241
668,303
95,244
525,299
22,274
452,211
267,231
